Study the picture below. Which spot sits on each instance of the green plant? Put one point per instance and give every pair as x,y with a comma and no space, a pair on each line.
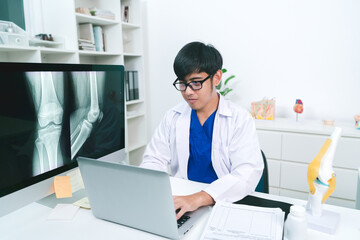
223,89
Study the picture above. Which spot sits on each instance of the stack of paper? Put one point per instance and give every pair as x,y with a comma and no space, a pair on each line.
86,45
104,14
235,221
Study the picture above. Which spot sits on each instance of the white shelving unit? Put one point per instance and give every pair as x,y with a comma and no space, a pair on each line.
123,46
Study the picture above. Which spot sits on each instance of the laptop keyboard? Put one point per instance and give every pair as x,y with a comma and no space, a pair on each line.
182,220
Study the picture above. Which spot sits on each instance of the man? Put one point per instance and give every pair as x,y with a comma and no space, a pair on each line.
207,139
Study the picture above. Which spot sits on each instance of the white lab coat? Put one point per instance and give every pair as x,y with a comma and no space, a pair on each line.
235,153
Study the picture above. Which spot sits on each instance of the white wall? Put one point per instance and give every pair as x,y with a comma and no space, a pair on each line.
286,49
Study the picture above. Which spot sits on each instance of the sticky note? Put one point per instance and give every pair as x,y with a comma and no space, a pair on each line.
62,187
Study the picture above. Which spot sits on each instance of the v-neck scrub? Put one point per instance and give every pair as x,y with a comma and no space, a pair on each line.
200,168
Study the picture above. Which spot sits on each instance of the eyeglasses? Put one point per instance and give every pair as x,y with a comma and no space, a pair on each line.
181,85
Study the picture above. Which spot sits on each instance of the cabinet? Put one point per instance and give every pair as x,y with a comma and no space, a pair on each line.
290,146
123,41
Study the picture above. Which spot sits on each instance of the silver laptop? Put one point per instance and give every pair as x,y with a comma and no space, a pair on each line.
136,197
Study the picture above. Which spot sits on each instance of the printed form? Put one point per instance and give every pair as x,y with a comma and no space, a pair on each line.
236,221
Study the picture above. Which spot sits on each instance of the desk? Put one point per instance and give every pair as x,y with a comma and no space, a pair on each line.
30,222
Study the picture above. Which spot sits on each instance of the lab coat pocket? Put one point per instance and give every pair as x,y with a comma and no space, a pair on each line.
220,158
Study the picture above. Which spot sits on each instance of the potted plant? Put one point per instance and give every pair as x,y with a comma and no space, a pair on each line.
223,86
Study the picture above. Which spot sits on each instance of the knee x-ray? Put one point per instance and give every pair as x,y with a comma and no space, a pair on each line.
97,116
49,118
47,90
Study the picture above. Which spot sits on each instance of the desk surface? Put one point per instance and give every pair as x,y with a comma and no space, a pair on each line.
30,222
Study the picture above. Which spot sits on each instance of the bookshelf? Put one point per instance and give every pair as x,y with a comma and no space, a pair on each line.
123,46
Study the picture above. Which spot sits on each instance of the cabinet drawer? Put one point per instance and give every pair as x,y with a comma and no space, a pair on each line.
274,172
304,148
301,147
294,177
347,153
270,143
331,200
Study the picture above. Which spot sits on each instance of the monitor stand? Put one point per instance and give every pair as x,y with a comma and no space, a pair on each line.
51,201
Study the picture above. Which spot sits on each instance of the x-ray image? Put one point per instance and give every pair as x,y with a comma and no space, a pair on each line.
96,124
47,90
48,118
34,125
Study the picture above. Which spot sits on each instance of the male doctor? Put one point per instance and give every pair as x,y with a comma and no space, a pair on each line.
206,138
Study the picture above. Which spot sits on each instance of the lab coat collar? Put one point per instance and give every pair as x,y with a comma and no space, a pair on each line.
183,131
223,108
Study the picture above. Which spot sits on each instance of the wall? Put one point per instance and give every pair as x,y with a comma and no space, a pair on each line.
285,49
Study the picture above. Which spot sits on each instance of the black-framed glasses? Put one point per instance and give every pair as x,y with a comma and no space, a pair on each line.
181,85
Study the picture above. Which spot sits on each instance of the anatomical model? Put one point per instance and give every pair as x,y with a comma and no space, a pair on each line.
298,108
321,176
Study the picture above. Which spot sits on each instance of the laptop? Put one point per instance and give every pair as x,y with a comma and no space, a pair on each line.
135,197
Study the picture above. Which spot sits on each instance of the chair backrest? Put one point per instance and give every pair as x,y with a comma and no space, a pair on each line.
263,185
357,203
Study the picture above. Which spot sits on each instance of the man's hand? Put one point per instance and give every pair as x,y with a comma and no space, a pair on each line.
191,202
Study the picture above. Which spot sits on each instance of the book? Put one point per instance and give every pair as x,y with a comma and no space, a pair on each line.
98,36
237,221
131,85
86,45
127,92
102,13
86,32
136,84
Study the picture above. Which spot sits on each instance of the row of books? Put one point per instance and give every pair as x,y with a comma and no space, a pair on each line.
131,85
91,38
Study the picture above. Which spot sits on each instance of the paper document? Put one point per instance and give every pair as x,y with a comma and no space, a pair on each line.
235,221
83,203
63,212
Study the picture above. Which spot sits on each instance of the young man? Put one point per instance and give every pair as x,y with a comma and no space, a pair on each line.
207,138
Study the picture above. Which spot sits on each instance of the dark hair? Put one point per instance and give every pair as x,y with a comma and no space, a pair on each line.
197,57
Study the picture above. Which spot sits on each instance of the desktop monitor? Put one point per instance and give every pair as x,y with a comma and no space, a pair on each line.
50,114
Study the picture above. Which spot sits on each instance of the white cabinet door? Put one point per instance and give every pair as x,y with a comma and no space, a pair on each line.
274,172
301,147
270,144
348,153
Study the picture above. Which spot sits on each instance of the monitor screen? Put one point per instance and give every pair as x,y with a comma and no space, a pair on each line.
51,113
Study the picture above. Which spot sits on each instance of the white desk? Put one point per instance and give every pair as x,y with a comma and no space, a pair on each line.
30,222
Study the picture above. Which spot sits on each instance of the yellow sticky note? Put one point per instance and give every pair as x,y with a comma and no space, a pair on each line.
62,187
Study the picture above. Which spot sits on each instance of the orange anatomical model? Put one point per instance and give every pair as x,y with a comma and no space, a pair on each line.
298,108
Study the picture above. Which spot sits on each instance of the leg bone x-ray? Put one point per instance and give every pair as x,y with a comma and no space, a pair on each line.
87,88
47,90
93,123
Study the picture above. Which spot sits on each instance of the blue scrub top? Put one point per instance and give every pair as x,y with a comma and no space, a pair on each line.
200,168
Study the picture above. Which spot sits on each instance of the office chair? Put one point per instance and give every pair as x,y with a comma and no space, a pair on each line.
263,185
357,203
